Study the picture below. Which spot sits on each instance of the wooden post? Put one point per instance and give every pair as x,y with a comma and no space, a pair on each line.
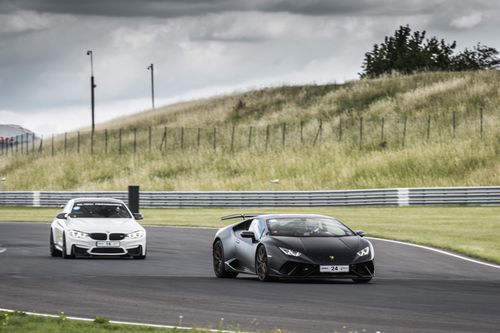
120,141
149,138
198,138
360,132
232,137
267,136
404,129
250,136
65,142
340,130
78,142
382,130
182,138
215,138
164,139
52,146
317,137
481,120
283,135
454,123
135,140
302,132
428,127
33,137
106,141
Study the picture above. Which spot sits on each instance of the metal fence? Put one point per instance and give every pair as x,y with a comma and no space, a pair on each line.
485,195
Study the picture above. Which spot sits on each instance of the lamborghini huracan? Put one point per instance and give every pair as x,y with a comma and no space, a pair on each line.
292,246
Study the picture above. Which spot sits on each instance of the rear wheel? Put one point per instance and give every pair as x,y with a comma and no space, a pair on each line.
65,254
362,280
54,252
219,262
262,264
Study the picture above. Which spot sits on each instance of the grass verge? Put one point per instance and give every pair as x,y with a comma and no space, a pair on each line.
466,230
19,322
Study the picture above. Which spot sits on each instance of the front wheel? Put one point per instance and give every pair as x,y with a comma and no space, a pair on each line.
219,263
54,252
262,264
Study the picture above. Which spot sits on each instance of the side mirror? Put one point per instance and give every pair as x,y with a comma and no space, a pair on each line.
138,216
61,216
360,233
248,234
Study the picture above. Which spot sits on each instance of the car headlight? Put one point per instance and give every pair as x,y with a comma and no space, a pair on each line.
289,252
364,251
78,234
136,234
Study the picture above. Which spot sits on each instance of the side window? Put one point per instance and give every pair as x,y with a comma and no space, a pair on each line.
262,227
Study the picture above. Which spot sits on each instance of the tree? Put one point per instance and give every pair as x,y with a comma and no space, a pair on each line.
408,52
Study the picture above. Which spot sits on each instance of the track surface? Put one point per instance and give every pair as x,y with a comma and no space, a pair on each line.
415,290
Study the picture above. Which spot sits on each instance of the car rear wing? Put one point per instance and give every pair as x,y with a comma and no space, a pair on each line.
243,216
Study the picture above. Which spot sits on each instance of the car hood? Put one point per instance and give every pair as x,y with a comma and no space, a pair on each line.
325,250
104,225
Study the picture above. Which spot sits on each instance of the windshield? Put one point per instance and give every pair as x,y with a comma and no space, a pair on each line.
99,210
307,227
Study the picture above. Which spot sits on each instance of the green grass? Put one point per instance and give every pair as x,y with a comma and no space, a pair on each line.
466,230
331,159
19,322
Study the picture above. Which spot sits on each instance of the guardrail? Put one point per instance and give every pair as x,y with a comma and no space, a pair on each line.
484,195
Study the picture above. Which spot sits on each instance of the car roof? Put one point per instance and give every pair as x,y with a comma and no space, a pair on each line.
110,200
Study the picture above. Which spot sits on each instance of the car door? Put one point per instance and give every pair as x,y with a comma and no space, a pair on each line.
246,247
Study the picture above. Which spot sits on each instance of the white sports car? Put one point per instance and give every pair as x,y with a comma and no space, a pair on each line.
97,227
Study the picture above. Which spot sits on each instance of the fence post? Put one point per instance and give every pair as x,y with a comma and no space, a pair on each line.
65,143
428,127
360,132
135,140
283,135
164,139
149,138
267,136
52,145
215,138
40,147
302,132
33,142
232,137
318,134
250,136
481,120
404,130
22,144
382,130
198,136
17,143
120,141
454,123
182,138
78,142
340,130
105,140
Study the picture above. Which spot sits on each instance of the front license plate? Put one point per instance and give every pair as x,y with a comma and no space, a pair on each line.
334,269
108,244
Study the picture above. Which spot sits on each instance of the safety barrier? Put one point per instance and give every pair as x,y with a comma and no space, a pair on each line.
484,195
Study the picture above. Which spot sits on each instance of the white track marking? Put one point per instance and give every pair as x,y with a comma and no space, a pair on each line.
2,249
120,322
438,251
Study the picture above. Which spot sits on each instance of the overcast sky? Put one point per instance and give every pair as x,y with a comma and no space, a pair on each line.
199,48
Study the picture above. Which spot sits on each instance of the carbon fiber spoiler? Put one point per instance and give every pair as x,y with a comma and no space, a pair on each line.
243,216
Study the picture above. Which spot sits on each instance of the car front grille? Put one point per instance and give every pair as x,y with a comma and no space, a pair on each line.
108,250
116,236
98,236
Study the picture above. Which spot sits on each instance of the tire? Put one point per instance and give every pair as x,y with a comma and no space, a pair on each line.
262,264
362,280
54,252
140,256
219,262
65,255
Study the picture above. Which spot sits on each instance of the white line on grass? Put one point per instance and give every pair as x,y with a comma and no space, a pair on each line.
119,322
438,251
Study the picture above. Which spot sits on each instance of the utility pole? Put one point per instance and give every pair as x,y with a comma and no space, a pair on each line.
92,87
151,68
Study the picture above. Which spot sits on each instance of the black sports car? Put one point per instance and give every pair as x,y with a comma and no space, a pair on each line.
292,246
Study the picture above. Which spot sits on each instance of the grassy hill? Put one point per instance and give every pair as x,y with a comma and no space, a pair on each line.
430,129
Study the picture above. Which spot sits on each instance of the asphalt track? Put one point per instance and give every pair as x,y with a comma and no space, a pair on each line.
416,290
